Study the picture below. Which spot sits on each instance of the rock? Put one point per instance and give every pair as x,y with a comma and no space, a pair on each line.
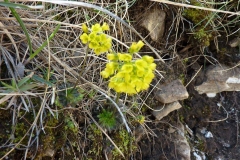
138,133
161,112
49,152
20,69
198,155
218,79
172,92
154,22
183,149
235,42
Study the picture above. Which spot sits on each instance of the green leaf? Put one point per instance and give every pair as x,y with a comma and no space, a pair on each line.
27,87
22,81
8,86
15,14
39,79
45,43
13,5
14,83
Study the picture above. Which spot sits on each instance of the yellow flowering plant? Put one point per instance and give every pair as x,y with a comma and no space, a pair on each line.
96,39
126,75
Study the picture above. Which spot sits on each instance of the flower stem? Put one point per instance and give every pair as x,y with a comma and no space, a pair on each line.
82,68
117,98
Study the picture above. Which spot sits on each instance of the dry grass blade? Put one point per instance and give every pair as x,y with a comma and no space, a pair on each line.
16,15
88,5
12,40
196,7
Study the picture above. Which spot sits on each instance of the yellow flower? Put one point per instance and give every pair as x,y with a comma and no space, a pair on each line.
152,66
92,36
140,119
112,57
149,77
148,59
127,78
103,37
104,74
141,64
127,88
140,44
93,45
120,75
112,65
131,91
98,51
105,27
124,57
145,86
107,45
111,84
135,47
140,73
96,28
85,28
98,41
127,68
84,38
98,38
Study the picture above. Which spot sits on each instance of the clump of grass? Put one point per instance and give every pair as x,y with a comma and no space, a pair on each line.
107,119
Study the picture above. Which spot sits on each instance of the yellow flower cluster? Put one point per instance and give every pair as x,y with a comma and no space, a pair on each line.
96,39
140,119
131,76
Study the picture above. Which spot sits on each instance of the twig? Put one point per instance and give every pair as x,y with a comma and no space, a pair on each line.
220,120
194,76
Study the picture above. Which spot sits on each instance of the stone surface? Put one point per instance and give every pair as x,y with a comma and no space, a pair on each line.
218,79
154,22
163,111
171,92
183,149
235,42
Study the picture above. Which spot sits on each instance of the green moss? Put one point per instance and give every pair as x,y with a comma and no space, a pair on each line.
182,78
203,36
57,130
196,15
125,143
201,145
203,31
96,147
98,144
5,129
181,118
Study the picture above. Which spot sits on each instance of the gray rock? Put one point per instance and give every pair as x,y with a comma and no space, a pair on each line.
161,112
154,22
20,69
172,92
218,79
235,42
183,149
